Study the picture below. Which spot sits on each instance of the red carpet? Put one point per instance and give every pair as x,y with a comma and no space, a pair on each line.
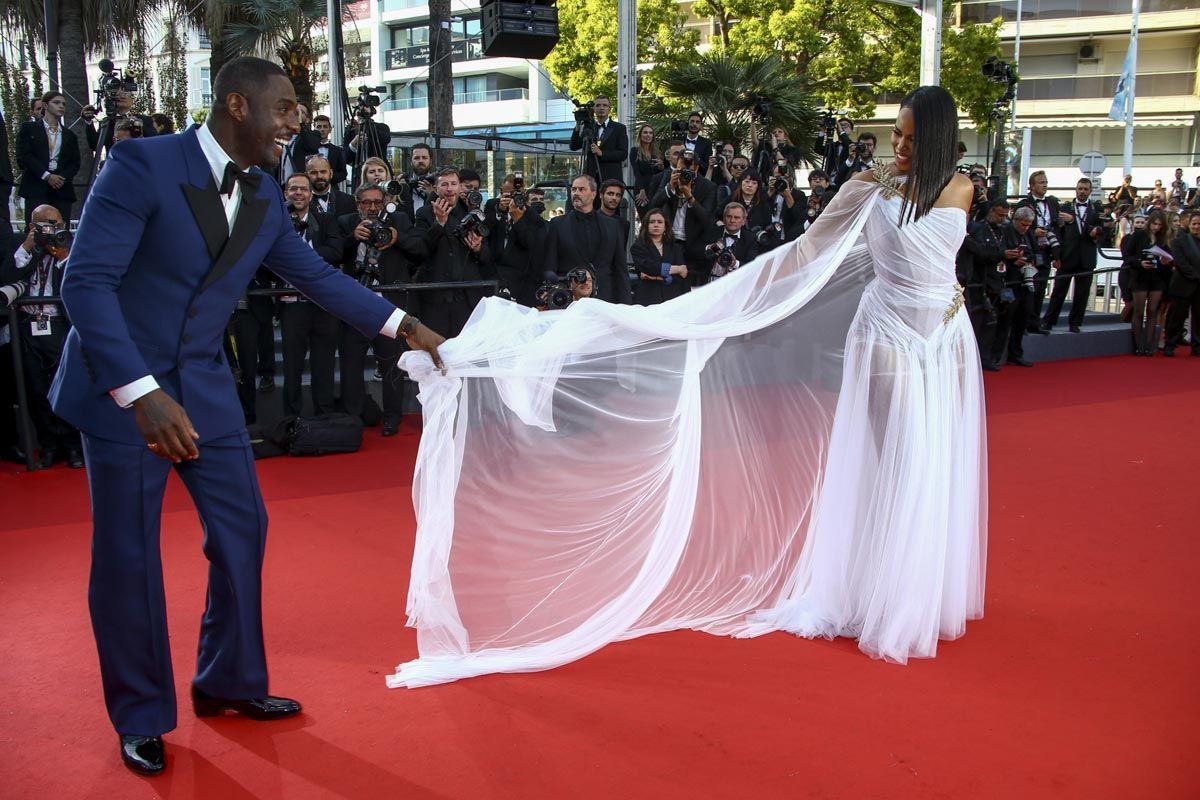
1081,682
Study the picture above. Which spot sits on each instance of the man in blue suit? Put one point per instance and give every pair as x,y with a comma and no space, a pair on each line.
171,233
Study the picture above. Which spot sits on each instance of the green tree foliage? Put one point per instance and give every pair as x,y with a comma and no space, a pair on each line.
138,68
172,71
14,95
584,62
284,27
847,52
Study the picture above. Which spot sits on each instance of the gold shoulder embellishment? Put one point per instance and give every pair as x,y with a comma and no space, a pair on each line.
886,180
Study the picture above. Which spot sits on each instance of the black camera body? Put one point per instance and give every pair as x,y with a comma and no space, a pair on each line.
299,223
472,222
557,295
379,233
767,235
110,83
720,255
780,184
1152,257
585,113
45,237
368,101
519,198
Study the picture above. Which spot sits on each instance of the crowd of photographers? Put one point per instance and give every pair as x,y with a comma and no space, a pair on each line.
698,210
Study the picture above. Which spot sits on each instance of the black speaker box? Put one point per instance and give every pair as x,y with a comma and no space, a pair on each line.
518,30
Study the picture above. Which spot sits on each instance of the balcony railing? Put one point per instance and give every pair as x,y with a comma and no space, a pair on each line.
418,55
460,98
402,5
1079,87
1032,10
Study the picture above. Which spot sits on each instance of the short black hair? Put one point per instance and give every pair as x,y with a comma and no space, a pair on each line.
50,95
1088,181
999,202
241,76
867,135
612,182
322,118
298,175
468,174
819,173
421,146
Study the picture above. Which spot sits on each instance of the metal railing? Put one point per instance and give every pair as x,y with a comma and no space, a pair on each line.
460,98
1033,10
25,424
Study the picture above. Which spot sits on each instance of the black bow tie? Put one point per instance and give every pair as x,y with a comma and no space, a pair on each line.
249,180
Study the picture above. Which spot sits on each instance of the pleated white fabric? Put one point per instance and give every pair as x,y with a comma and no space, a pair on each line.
797,446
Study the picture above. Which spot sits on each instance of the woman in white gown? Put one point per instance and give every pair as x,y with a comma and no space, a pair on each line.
797,446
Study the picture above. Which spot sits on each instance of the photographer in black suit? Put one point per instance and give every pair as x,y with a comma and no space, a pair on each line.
327,198
607,142
697,145
1020,269
448,250
307,329
1184,288
333,153
48,155
731,245
1081,236
417,187
378,248
981,261
515,233
583,237
688,199
1049,218
6,183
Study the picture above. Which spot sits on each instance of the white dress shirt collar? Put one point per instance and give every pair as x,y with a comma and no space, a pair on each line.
217,160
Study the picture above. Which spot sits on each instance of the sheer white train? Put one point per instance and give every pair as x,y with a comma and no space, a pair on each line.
798,446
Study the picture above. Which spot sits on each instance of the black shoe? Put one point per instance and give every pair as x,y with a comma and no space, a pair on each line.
391,426
262,708
1169,352
144,754
266,383
1074,329
991,367
74,459
48,457
1044,330
1020,362
14,454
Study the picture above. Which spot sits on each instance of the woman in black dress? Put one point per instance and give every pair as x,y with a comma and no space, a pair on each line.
647,164
658,259
1147,278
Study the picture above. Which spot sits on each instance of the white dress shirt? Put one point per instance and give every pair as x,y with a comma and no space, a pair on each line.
54,144
217,160
38,288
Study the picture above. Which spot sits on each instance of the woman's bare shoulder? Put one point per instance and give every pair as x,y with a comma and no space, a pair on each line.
866,176
959,192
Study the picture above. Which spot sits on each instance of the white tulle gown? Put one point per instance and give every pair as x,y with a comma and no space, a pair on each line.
797,446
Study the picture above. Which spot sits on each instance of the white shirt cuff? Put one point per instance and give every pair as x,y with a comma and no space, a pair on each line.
45,175
391,328
21,257
127,394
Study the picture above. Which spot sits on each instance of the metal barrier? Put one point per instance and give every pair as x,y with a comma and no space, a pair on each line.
25,424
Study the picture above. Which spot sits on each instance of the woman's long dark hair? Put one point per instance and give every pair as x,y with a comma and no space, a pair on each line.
935,149
1162,237
644,233
760,196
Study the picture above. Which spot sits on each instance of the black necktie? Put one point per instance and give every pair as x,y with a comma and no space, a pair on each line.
248,180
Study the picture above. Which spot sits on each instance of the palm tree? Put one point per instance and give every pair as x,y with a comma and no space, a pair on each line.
736,96
282,26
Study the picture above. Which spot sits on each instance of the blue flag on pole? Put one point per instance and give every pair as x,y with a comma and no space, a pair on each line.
1121,98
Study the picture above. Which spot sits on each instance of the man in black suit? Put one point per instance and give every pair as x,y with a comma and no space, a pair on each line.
1048,221
333,153
444,255
48,155
606,141
1020,243
583,237
365,138
422,178
305,328
515,235
327,198
611,203
983,270
1184,288
1081,236
380,265
696,144
296,152
730,234
688,200
6,183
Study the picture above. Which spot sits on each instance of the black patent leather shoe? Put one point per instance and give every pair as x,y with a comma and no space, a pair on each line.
261,708
74,459
391,426
1074,329
1020,362
143,754
990,367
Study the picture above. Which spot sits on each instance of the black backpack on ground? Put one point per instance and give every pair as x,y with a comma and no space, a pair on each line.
325,434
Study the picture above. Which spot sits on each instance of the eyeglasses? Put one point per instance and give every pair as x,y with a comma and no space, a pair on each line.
370,203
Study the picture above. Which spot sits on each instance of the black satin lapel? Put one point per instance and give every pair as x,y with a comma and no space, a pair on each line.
251,213
210,215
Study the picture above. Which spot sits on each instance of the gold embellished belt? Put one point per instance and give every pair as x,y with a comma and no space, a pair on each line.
955,304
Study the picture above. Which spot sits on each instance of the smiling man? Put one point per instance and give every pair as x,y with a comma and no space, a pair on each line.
143,376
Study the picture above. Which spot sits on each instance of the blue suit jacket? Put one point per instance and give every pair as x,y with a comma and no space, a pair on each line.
154,276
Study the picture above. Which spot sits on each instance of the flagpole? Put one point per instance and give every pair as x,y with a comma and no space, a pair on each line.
1132,92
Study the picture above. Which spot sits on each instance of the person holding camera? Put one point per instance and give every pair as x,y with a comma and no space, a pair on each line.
1020,270
378,249
515,234
326,197
585,238
326,149
688,198
450,246
48,156
784,203
658,260
773,148
859,158
751,195
983,271
1146,260
836,145
417,187
306,329
647,164
718,166
1081,237
605,142
730,244
733,170
697,145
1184,288
1049,220
40,262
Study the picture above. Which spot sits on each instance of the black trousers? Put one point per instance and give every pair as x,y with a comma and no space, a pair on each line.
41,355
307,330
263,309
1009,332
1082,276
1177,315
1035,302
245,327
353,348
448,318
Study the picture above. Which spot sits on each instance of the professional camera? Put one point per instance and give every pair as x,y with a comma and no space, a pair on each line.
761,110
393,188
519,198
1153,258
379,233
829,122
585,113
10,292
474,220
721,256
47,237
368,101
110,83
780,184
299,223
688,173
767,234
557,295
